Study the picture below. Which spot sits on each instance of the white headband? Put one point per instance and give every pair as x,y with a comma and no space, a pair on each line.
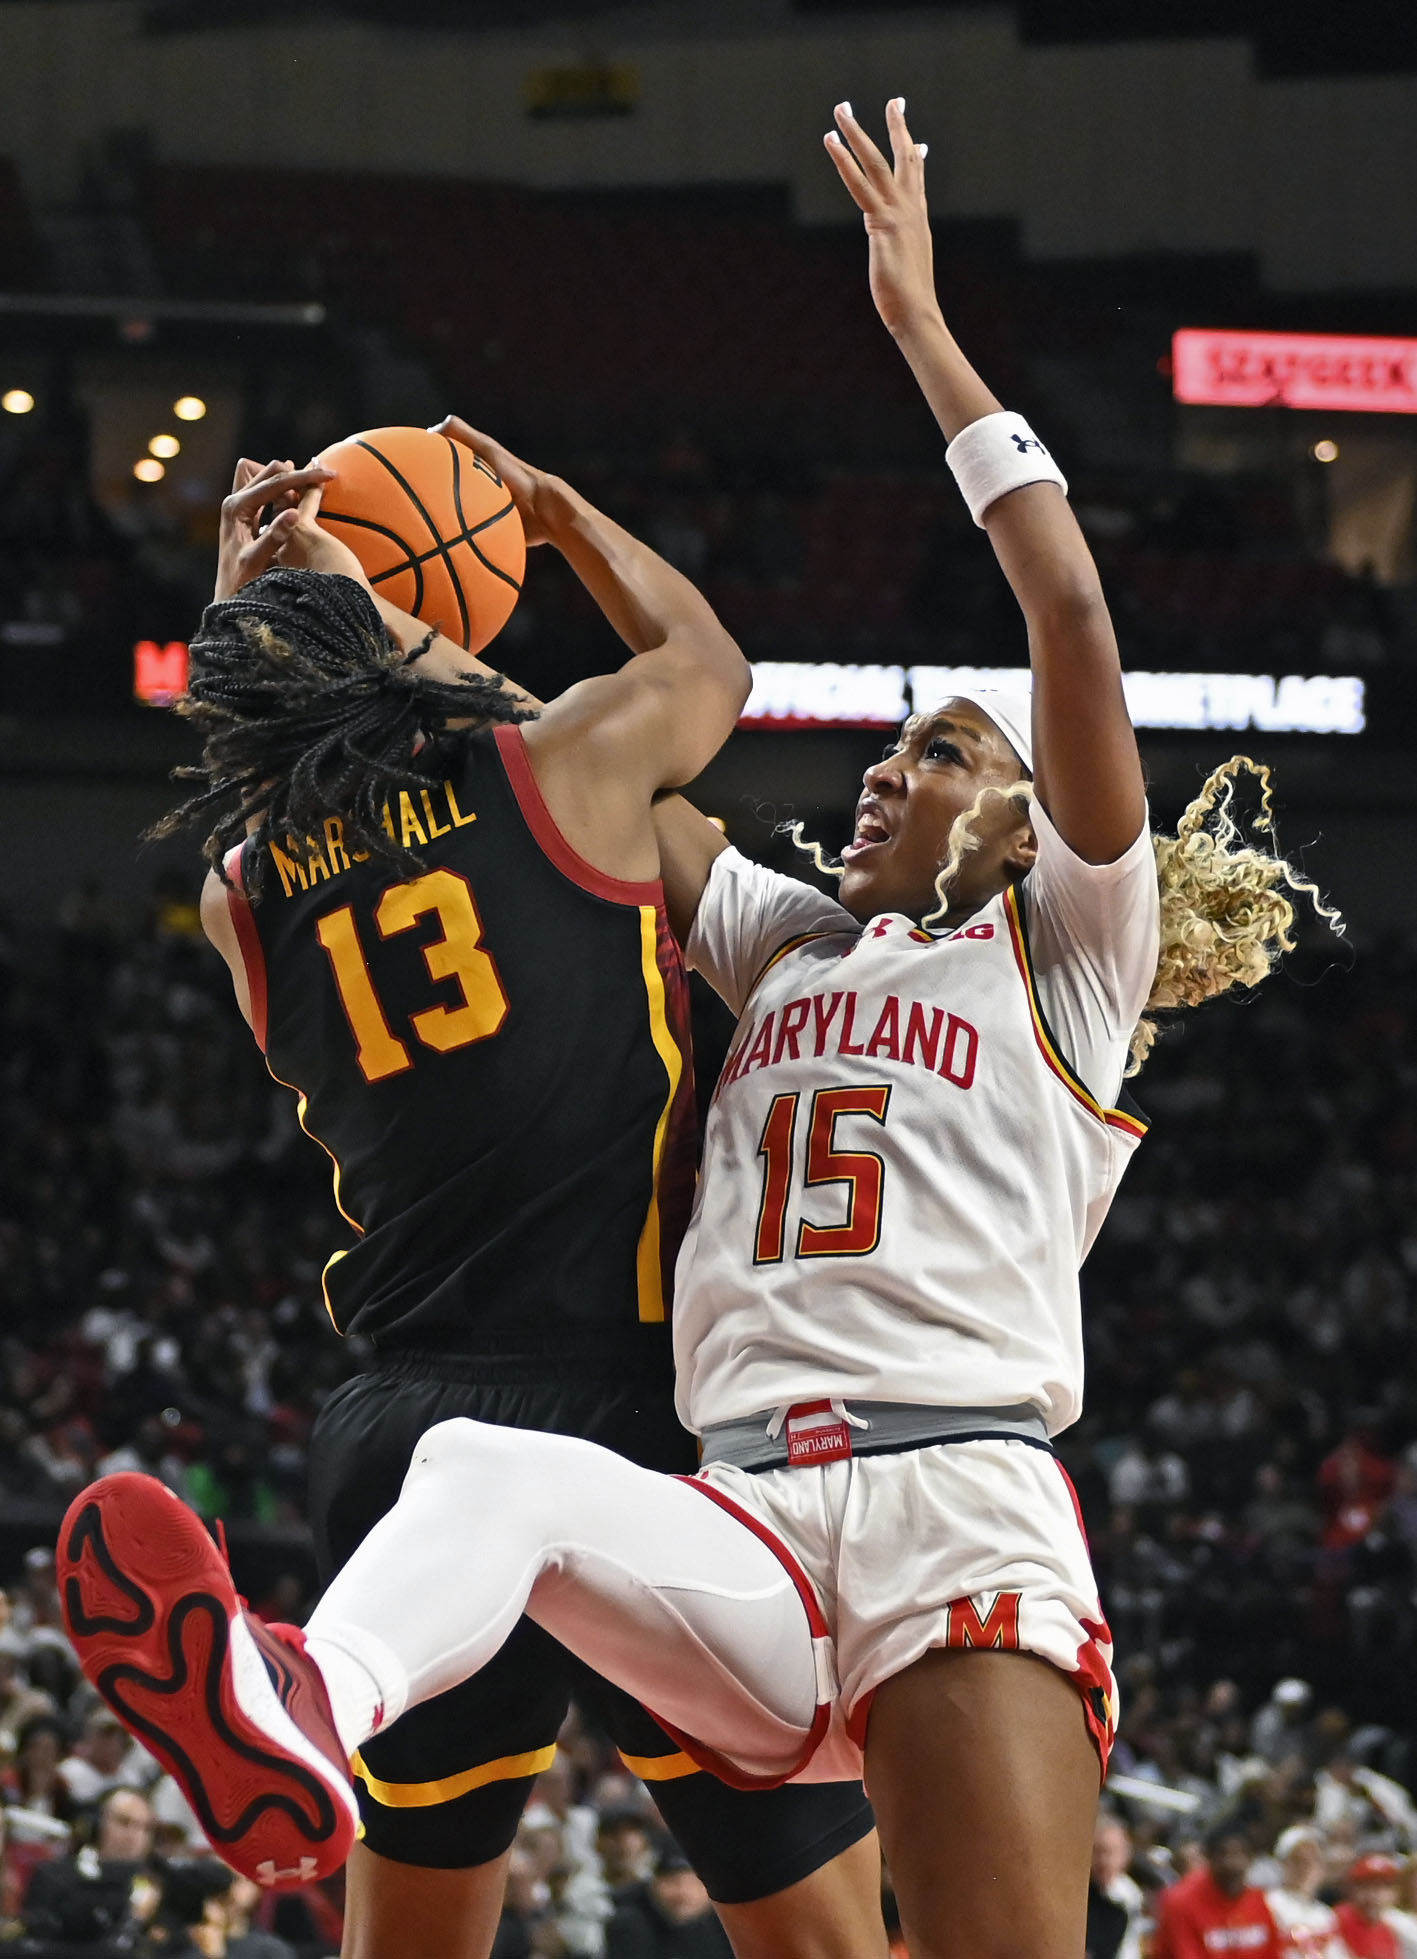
1012,715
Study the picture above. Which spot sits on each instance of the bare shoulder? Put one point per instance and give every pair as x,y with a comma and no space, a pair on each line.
220,928
216,916
585,753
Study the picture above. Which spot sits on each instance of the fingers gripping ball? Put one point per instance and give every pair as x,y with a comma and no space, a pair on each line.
433,527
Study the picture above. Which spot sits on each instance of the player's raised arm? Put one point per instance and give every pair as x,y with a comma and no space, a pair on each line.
670,708
1087,771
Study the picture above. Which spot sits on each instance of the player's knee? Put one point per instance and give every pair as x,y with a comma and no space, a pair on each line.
459,1447
487,1460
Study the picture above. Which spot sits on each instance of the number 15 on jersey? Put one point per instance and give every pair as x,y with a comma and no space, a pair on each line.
861,1171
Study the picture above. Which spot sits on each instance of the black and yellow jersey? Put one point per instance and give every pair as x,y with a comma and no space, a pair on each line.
494,1052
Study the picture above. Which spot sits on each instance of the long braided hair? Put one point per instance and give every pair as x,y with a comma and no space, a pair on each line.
309,709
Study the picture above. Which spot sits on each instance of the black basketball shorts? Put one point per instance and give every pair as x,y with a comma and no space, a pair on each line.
445,1786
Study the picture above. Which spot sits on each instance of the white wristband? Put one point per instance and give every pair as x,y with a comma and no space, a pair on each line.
996,454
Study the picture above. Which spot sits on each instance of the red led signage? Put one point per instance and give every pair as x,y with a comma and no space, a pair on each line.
159,672
1295,370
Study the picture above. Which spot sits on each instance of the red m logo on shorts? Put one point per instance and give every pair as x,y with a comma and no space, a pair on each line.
999,1629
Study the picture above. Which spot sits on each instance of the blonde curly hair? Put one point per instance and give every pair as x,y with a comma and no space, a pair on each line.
1227,913
1226,909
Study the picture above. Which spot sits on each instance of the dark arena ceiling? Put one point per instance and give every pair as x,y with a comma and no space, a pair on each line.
1315,37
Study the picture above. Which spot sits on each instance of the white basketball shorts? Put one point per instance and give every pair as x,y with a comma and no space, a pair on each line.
961,1544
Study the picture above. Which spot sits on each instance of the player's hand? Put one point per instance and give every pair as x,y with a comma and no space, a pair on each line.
530,489
891,198
308,547
244,549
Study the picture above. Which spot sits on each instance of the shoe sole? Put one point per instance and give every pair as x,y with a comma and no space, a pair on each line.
159,1631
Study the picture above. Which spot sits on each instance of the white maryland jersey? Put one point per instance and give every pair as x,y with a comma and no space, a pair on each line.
912,1144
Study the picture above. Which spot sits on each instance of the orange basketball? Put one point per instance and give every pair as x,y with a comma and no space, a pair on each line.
432,525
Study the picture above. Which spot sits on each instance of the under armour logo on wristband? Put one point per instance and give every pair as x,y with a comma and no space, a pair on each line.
1023,443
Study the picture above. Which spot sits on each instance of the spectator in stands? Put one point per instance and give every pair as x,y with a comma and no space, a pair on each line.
34,1607
526,1924
626,1849
1283,1726
1114,1898
1145,1476
1354,1484
99,1761
18,1699
1214,1909
1310,1928
669,1917
13,1881
244,1939
34,1780
91,1895
1353,1800
1364,1916
190,1920
149,1452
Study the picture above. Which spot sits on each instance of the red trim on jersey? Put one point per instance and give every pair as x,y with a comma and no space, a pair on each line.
1094,1683
1018,937
698,1751
859,1718
1093,1672
1076,1503
515,760
253,954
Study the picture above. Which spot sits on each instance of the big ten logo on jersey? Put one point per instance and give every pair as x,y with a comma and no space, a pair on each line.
884,927
916,1034
413,817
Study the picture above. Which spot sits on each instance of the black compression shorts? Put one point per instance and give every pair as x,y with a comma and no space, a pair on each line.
445,1786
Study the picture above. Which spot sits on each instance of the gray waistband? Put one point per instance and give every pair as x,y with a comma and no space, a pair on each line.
877,1428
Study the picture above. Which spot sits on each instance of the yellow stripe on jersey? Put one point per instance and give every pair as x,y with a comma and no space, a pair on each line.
1078,1089
447,1789
649,1268
301,1106
659,1768
793,945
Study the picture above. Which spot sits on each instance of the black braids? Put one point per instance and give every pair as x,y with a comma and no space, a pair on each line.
309,709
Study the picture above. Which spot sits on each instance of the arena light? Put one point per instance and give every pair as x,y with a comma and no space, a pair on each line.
189,408
1295,370
159,672
148,469
789,695
1325,451
165,447
17,401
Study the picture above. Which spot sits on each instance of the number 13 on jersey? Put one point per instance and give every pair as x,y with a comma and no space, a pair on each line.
861,1171
458,955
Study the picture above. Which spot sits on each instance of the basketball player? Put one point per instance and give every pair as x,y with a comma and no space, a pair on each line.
492,1044
914,1141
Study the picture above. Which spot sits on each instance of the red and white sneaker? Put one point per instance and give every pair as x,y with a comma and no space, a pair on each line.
233,1708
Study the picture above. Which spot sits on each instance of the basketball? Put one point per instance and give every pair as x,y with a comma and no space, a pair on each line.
432,525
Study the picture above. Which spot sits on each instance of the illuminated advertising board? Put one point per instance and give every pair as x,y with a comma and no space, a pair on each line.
159,672
789,694
1353,372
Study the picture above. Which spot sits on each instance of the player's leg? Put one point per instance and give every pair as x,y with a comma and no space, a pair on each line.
833,1914
643,1577
441,1792
985,1783
393,1909
794,1873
